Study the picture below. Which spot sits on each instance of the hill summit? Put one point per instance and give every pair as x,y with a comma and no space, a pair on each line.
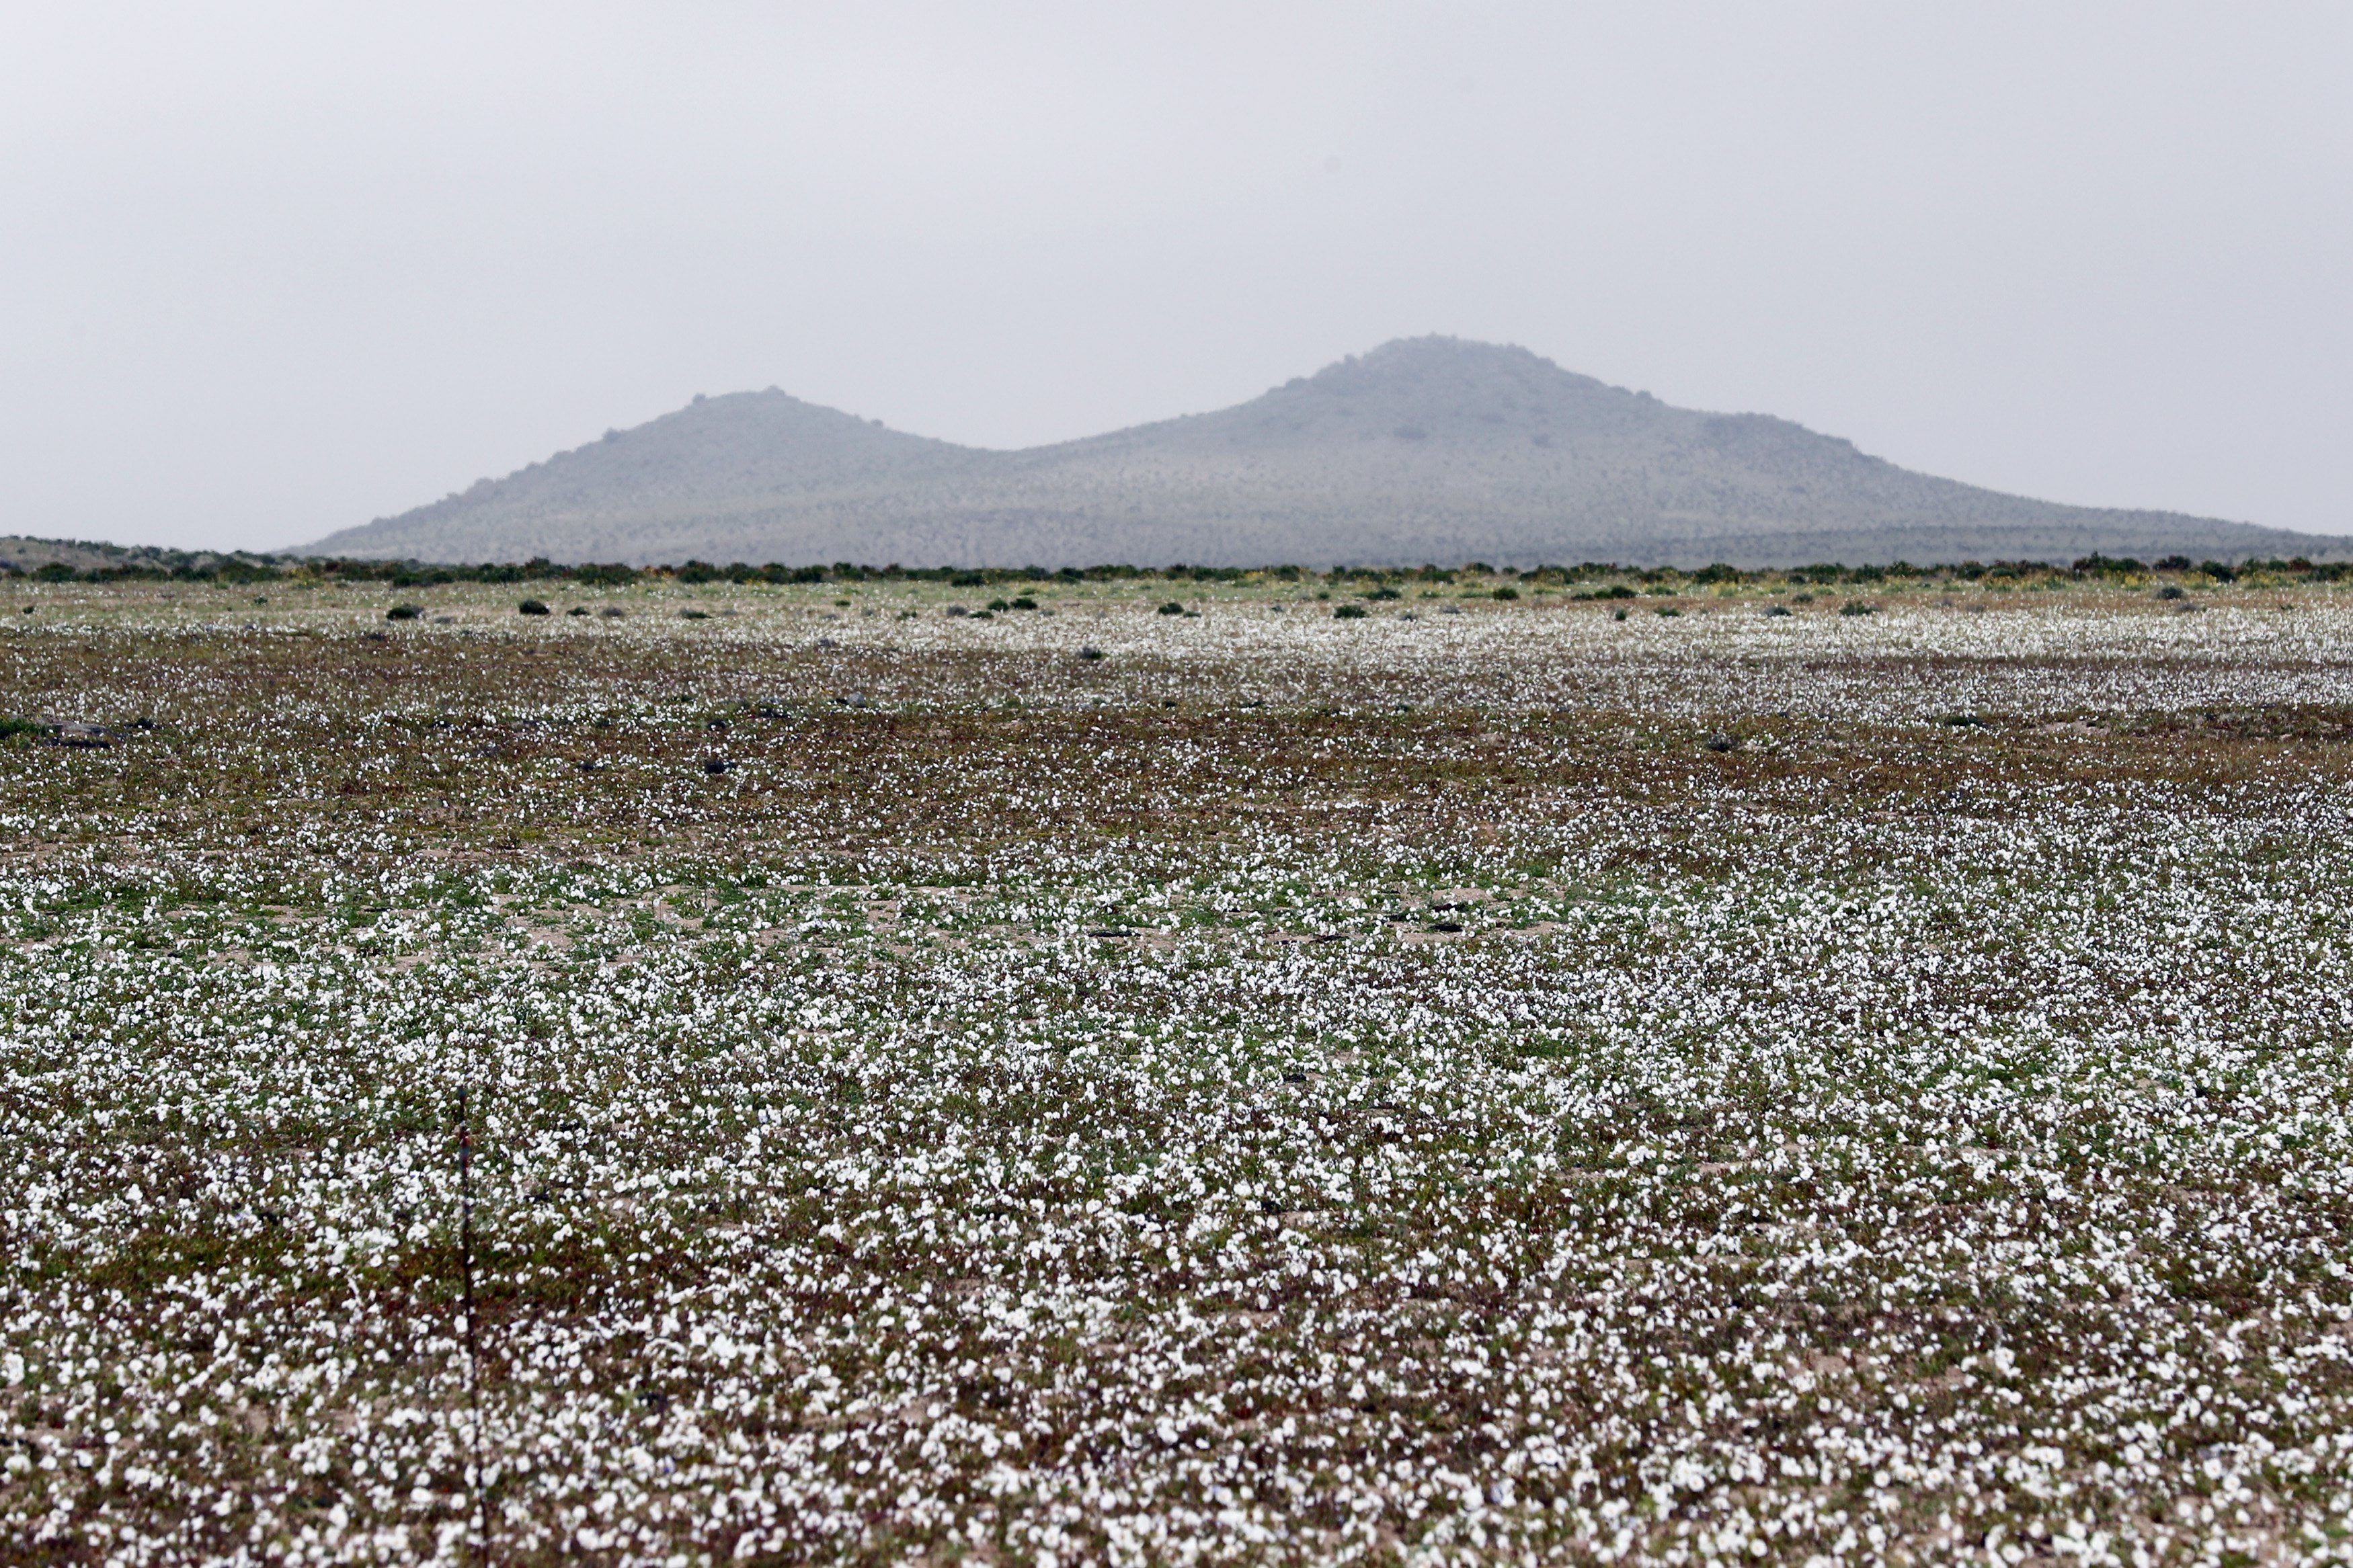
1426,450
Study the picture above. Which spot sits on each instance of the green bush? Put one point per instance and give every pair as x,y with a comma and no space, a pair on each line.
404,612
1350,612
1507,592
1172,608
532,607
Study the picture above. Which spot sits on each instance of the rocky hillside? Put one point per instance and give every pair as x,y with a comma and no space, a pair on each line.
1430,450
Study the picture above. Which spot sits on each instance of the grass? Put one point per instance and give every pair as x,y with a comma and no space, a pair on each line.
1277,1090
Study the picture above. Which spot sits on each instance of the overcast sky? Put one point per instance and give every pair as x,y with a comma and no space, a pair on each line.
267,271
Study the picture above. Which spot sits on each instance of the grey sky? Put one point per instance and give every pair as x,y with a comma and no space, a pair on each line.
270,270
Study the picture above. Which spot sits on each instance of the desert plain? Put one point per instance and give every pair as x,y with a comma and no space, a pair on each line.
1756,1070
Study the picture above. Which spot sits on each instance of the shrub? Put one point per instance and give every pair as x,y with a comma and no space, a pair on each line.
532,607
1856,607
404,612
1507,592
1666,610
1350,612
1172,608
1006,604
1024,603
1384,593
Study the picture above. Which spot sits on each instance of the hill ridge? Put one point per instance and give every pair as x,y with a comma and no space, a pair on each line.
1423,449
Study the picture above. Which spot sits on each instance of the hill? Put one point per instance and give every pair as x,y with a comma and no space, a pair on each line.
1429,449
24,556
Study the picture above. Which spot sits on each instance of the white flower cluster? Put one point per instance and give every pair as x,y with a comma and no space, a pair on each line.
1094,1134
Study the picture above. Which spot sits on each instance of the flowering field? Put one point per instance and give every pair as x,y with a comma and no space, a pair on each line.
1474,1081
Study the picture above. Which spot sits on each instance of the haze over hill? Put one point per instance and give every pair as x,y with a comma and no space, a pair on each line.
1429,449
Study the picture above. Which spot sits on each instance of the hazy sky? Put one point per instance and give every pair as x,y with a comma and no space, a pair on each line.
270,270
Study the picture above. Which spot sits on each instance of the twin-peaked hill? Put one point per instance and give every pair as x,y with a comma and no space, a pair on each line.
1430,450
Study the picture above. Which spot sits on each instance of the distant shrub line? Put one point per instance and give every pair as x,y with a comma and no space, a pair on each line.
177,567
